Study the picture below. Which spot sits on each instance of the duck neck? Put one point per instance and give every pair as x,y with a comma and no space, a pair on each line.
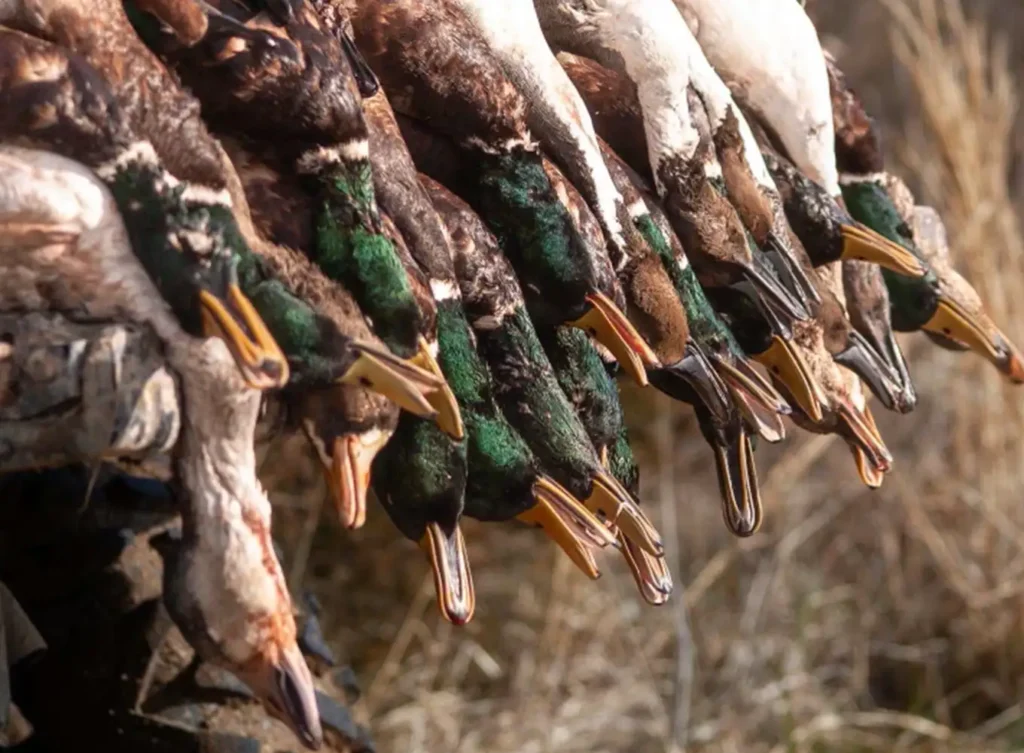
503,467
585,380
351,245
704,323
522,208
623,465
227,514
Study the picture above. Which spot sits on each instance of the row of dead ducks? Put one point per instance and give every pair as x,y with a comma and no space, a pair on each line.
367,206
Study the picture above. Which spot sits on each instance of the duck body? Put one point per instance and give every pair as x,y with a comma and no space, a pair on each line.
785,84
346,424
235,609
524,382
304,72
183,234
504,479
818,221
439,70
417,471
598,85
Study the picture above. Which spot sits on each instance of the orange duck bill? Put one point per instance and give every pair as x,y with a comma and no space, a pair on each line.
400,381
860,243
784,362
348,474
616,507
861,433
760,403
229,315
610,327
568,523
453,581
442,400
651,574
979,333
737,482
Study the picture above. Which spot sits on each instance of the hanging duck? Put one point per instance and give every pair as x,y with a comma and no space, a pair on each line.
182,232
226,590
928,303
649,42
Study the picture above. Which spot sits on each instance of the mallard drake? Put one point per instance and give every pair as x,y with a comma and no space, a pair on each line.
524,382
182,231
436,67
941,303
295,89
584,379
649,42
984,337
437,469
599,86
442,160
785,84
346,424
226,590
420,475
483,270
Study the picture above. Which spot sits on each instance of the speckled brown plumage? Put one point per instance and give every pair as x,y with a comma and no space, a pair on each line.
52,96
753,207
483,272
400,193
701,215
436,67
653,305
280,82
184,17
281,208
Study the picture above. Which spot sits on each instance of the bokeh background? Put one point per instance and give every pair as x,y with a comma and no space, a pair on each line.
854,620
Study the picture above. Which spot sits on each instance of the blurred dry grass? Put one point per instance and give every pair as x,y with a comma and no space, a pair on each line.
854,621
